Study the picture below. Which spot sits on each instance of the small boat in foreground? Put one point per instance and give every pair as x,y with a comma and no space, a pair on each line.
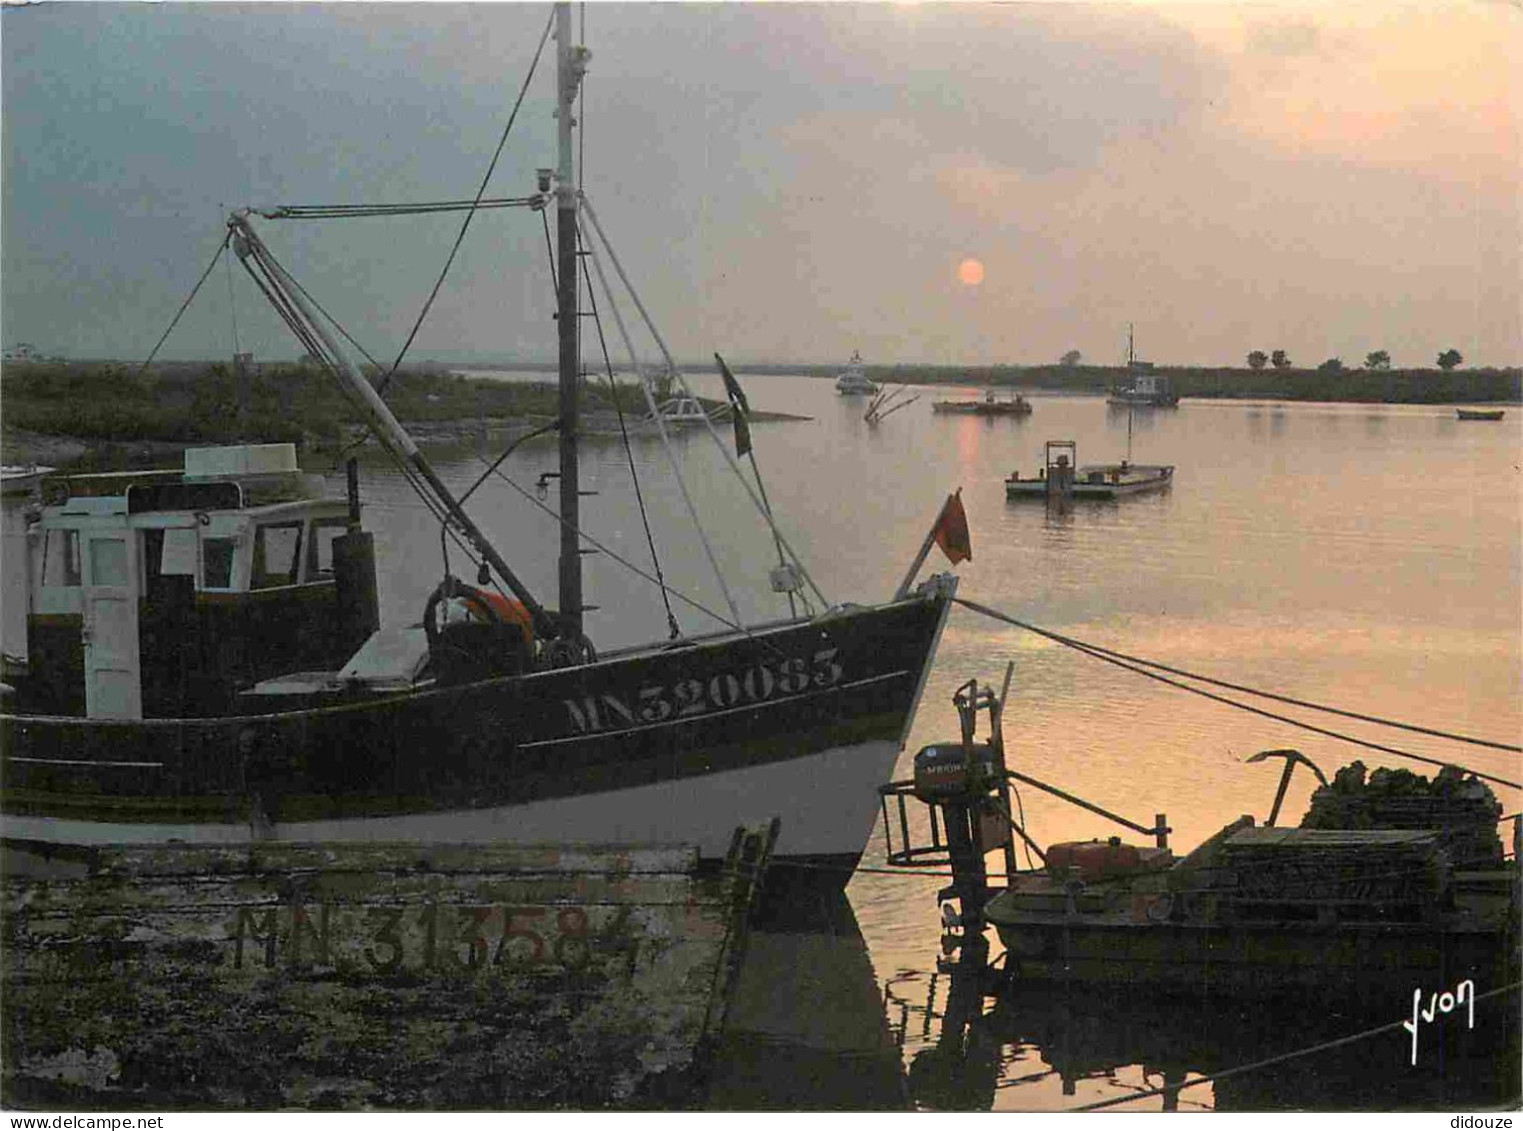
1415,898
989,406
1061,477
1480,413
1389,883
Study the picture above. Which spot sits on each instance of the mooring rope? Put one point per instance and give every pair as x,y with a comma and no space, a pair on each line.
1273,1060
1103,654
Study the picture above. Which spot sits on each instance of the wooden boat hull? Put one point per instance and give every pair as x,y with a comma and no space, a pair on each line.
375,976
801,720
1480,414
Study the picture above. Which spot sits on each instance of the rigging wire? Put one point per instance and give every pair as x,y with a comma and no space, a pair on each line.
232,305
1353,1038
1301,702
480,192
184,306
672,367
1100,654
263,258
625,562
618,405
666,443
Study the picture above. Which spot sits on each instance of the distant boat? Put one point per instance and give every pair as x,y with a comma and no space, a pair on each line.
681,410
854,380
1144,389
989,406
1480,413
1060,476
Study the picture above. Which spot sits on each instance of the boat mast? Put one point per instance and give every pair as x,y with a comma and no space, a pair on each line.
570,65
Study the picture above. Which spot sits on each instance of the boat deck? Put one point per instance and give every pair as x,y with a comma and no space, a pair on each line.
1099,481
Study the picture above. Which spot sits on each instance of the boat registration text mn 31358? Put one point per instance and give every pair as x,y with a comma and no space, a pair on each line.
683,698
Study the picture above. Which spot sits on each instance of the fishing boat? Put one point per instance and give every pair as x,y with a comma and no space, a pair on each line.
854,381
1143,387
1480,413
492,718
1061,476
989,406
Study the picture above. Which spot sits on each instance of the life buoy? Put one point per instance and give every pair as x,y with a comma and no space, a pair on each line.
488,606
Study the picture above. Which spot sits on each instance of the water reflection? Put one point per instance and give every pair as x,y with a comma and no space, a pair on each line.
978,1042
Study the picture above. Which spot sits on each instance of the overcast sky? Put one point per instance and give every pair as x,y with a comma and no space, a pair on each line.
789,182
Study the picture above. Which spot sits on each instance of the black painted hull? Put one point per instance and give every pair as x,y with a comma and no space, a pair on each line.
654,745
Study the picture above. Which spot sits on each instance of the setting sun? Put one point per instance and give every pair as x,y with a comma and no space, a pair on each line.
970,272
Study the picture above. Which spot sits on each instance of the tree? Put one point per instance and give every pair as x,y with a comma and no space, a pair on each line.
1258,359
1279,359
1071,358
1449,359
1377,359
1331,365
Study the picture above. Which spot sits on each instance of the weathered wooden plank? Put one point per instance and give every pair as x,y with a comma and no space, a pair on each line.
438,976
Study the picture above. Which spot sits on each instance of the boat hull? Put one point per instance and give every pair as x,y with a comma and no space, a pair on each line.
1137,480
680,745
981,409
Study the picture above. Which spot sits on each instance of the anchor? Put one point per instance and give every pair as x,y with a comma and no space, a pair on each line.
1292,757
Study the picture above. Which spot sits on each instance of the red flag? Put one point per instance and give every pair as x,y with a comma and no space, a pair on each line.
951,530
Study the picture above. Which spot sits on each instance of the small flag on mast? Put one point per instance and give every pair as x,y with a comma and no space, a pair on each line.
738,408
951,530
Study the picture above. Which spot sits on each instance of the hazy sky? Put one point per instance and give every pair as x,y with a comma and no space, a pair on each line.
789,182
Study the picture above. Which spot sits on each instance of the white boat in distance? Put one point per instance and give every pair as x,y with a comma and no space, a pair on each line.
854,381
681,410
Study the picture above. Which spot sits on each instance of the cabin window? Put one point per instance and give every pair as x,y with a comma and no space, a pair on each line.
60,559
217,563
108,561
277,555
325,531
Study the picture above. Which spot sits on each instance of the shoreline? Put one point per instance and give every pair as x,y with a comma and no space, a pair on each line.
24,448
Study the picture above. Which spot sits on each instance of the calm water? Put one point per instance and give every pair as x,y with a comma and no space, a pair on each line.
1368,557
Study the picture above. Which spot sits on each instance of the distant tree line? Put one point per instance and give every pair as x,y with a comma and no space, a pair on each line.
208,403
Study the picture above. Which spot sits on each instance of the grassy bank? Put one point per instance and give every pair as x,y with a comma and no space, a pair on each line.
116,409
1392,386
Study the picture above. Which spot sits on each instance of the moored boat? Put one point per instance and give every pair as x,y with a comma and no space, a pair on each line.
854,381
989,406
1480,413
493,719
1060,476
1259,911
1143,388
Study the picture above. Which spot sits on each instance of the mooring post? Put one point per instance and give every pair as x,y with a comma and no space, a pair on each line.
1161,829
